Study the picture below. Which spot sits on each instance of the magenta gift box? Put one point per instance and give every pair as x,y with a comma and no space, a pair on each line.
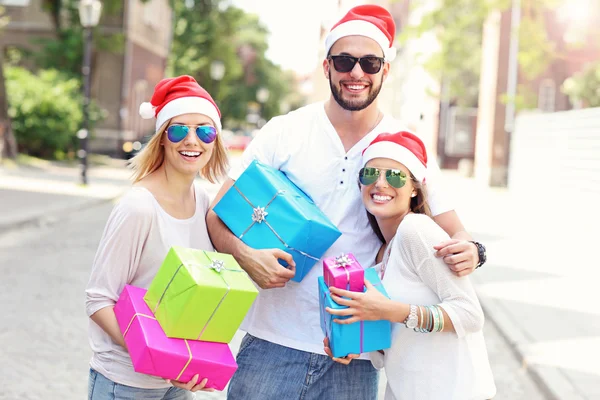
153,353
344,272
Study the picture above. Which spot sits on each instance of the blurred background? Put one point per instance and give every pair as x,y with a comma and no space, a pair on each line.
505,93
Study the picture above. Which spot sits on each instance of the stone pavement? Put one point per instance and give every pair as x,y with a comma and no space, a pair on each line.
40,193
539,281
543,309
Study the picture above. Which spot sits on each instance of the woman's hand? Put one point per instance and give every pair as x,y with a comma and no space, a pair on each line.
368,306
342,360
192,385
461,255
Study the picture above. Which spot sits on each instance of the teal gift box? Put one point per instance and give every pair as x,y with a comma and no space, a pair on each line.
357,337
266,210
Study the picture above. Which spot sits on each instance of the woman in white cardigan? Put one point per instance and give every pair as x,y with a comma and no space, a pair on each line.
438,350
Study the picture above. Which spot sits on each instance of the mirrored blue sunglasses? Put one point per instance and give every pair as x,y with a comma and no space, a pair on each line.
206,133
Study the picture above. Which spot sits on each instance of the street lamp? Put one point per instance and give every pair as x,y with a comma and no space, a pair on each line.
89,14
262,95
217,72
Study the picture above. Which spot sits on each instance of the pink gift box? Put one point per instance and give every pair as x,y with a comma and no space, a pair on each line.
344,272
153,353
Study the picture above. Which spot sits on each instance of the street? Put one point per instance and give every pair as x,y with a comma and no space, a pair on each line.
44,352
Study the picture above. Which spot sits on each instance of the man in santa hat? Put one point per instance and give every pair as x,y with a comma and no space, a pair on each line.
319,148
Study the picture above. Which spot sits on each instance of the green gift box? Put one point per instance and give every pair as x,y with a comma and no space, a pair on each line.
200,295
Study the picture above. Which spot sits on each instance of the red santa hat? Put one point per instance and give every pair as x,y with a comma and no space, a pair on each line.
177,96
372,21
403,147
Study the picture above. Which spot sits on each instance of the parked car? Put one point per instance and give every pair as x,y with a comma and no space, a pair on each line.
237,140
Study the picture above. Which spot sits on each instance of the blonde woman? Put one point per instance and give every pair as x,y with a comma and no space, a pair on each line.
163,208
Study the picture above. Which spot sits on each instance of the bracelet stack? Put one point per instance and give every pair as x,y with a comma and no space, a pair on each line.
431,319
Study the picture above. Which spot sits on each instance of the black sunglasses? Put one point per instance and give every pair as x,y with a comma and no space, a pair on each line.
395,177
369,64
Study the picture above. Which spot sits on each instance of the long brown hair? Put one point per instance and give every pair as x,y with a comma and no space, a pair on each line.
153,155
418,205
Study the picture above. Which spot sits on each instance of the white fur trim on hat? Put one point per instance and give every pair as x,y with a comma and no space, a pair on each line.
188,105
387,149
361,28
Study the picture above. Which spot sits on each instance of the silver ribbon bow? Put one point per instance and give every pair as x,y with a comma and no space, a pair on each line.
217,265
259,214
343,261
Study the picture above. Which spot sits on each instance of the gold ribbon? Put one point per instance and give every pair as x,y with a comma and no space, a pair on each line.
185,340
132,318
259,215
188,361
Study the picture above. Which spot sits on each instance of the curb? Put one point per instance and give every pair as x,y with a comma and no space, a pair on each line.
553,383
53,216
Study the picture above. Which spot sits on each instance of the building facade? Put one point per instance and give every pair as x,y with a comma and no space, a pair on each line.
121,80
575,42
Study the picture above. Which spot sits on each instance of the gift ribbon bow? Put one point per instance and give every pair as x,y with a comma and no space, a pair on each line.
216,265
259,215
185,340
344,261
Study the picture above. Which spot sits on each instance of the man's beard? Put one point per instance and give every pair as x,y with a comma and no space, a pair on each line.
352,105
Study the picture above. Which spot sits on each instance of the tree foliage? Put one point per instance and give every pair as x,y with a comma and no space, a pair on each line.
458,28
211,30
64,51
45,110
584,87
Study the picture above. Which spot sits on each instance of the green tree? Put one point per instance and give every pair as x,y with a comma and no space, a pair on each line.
45,111
210,30
584,87
458,28
65,50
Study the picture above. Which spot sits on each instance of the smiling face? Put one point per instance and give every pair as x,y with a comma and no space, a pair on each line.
355,90
191,154
382,199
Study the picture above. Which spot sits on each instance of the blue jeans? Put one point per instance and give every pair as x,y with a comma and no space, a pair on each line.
102,388
269,371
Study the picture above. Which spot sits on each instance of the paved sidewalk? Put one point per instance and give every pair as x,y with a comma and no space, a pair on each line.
539,282
46,192
536,286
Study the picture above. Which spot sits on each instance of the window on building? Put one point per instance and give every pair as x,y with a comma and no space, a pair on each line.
547,96
153,12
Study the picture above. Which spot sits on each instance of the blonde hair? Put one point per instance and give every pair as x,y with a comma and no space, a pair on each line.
153,155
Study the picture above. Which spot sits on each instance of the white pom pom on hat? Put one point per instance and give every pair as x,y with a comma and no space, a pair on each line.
147,110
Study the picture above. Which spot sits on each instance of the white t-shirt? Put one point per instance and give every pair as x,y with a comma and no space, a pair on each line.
441,365
136,239
305,145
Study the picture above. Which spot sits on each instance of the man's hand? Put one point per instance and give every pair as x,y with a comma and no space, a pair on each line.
265,270
192,385
342,360
460,255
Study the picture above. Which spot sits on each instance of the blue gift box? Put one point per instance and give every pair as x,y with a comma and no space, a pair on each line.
266,210
358,337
